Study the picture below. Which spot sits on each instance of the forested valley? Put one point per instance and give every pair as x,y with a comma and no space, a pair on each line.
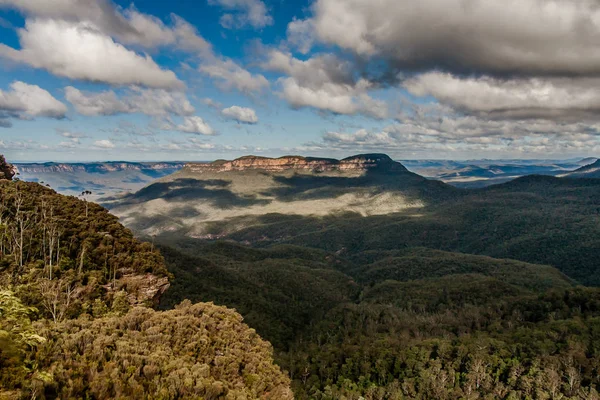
338,307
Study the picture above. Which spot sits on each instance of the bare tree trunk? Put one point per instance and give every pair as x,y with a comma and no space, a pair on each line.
81,259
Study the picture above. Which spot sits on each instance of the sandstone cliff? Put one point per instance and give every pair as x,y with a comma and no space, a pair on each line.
361,162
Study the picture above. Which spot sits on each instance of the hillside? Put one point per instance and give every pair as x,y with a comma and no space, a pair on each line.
214,199
74,323
401,322
591,170
370,202
454,296
483,173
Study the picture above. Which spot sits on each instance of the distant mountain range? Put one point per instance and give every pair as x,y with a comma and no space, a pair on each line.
371,202
102,179
107,179
587,171
482,173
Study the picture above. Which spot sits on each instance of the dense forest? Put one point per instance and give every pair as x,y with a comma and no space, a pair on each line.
74,322
406,324
480,297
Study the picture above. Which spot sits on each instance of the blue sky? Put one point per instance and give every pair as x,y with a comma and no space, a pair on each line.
199,80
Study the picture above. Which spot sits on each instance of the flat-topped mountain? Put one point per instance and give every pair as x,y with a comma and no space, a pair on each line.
199,197
360,162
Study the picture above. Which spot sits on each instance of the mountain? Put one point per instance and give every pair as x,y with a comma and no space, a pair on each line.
75,320
482,173
370,202
588,171
103,179
212,199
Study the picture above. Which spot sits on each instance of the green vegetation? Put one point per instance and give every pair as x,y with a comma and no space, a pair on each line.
193,351
72,280
474,295
407,324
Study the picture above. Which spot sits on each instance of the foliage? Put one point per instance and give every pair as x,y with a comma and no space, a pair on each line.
17,339
68,329
193,351
59,253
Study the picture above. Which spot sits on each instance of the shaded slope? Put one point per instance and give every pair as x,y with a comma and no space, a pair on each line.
202,199
587,171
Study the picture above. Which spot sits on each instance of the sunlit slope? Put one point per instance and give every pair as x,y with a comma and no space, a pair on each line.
210,200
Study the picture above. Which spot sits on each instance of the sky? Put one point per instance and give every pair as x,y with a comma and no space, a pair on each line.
152,80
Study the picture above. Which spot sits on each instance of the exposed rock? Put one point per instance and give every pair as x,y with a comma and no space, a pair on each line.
142,290
7,171
361,162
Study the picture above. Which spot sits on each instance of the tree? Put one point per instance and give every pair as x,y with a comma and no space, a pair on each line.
57,295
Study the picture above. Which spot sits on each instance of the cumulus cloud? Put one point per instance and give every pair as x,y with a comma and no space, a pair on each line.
153,102
129,26
104,144
324,82
240,114
557,98
301,35
26,101
529,37
194,125
78,50
437,130
230,75
243,13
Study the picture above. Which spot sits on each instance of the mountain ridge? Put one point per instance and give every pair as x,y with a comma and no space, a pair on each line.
294,162
587,171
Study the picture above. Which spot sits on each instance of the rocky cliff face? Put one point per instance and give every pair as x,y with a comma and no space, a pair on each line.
36,168
7,171
361,162
141,289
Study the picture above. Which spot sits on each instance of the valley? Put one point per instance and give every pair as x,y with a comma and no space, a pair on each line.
367,279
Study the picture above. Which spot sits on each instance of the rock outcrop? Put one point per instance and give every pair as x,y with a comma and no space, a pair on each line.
7,171
142,290
362,162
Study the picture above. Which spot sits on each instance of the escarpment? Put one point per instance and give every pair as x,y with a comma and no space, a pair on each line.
362,162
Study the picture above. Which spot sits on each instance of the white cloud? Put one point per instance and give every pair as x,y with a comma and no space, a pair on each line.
194,125
301,34
241,114
153,102
104,144
551,98
326,83
81,51
528,37
230,75
128,26
244,13
437,130
26,101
